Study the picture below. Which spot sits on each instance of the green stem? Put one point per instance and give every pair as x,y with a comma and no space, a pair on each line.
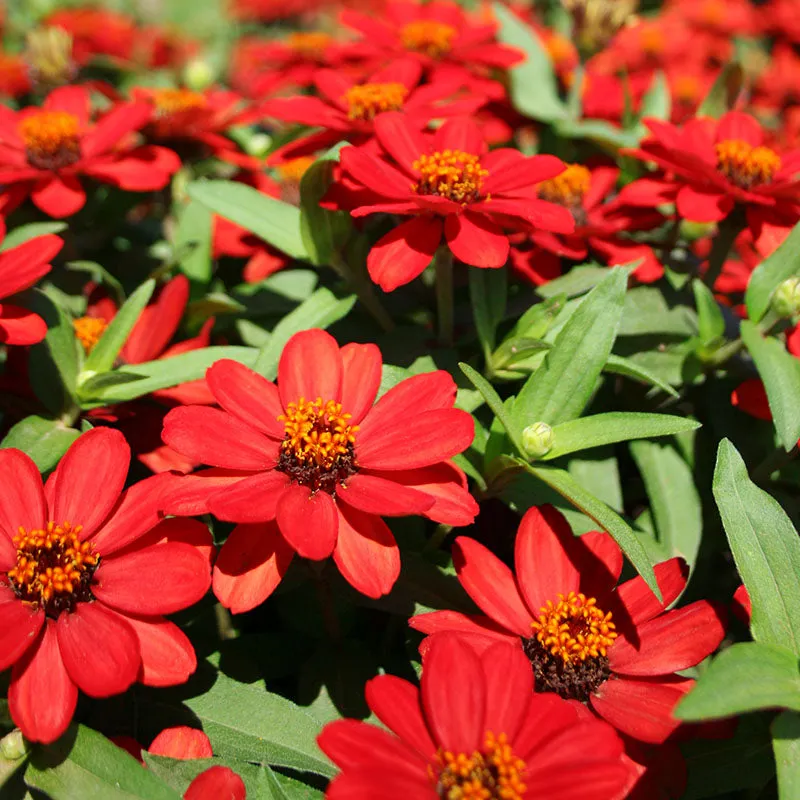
365,289
437,539
444,295
727,232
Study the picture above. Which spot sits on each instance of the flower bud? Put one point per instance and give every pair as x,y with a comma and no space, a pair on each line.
13,746
692,231
595,22
198,75
48,53
786,300
537,439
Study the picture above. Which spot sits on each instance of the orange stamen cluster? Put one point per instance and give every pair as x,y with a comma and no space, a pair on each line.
88,331
745,165
434,39
651,40
318,433
177,101
687,89
567,189
292,171
574,628
364,102
308,45
51,138
493,773
54,568
453,174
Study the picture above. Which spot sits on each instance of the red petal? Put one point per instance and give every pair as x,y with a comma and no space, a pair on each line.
74,100
247,395
21,625
361,378
253,499
490,583
99,648
309,522
22,499
639,602
476,240
509,170
480,631
113,126
385,498
251,564
310,367
751,397
740,126
403,253
188,495
366,553
59,196
216,783
459,134
699,206
181,742
375,174
42,697
78,496
401,140
23,265
176,529
20,327
418,441
168,657
509,688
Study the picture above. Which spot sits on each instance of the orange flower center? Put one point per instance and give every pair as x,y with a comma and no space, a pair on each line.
309,45
364,102
745,165
492,773
567,189
651,40
713,12
560,49
435,39
292,171
318,446
51,138
54,568
453,174
687,89
89,330
176,101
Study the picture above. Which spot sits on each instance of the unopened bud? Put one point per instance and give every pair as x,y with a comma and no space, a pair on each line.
786,300
198,75
13,746
595,22
48,53
537,439
691,231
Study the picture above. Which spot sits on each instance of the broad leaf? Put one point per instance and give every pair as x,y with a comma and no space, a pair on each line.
44,440
783,263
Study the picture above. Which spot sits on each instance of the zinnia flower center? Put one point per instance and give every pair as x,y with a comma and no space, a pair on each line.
89,330
652,40
453,174
369,99
745,165
51,138
568,189
176,101
308,45
687,88
429,37
713,12
292,171
54,568
318,447
492,773
569,646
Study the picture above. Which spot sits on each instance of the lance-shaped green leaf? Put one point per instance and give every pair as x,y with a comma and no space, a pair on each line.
617,365
105,352
657,101
608,520
746,677
534,86
44,440
576,282
560,389
781,264
27,232
722,96
615,426
786,746
488,290
320,310
710,322
765,547
780,372
274,221
193,241
494,402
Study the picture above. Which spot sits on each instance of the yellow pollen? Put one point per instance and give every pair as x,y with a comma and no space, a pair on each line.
453,174
574,628
745,165
53,567
567,189
292,171
492,773
51,138
364,102
89,330
308,44
176,101
318,433
434,39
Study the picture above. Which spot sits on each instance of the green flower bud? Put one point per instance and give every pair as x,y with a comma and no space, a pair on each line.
786,300
692,231
537,439
13,746
198,75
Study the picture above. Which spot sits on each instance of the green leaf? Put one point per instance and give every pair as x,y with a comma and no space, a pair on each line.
765,548
560,389
629,369
711,323
513,352
783,263
536,321
320,310
44,440
246,722
577,281
136,380
105,352
534,86
494,402
615,426
608,520
780,372
786,745
100,275
488,290
657,102
84,764
746,677
27,232
274,221
674,500
604,134
722,95
193,241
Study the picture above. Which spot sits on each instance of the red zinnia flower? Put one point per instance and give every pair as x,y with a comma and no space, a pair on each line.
310,466
473,730
452,188
14,79
86,573
714,165
46,149
96,32
621,649
20,268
